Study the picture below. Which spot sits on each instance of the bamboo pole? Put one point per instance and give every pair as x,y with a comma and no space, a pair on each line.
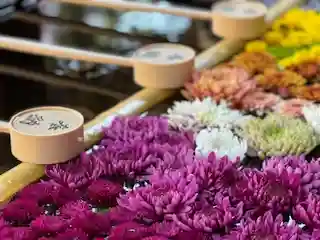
25,173
120,5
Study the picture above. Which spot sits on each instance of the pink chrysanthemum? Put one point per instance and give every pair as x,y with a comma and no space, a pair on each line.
267,190
72,234
135,128
78,172
73,209
17,233
155,238
47,192
94,224
308,211
104,193
265,227
161,199
129,231
21,211
49,224
210,217
309,172
118,215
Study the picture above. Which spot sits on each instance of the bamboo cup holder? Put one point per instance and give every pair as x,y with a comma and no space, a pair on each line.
230,19
46,135
159,65
239,20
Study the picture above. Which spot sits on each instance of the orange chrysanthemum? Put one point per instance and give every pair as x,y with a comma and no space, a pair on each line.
308,70
272,79
309,92
225,82
255,62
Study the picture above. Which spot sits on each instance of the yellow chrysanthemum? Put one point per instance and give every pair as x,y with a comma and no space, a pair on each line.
315,50
286,62
256,46
273,37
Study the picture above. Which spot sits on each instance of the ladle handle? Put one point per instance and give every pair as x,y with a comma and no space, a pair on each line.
143,7
4,127
44,49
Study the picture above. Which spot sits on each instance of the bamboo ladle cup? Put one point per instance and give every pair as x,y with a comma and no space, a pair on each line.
159,65
236,19
45,135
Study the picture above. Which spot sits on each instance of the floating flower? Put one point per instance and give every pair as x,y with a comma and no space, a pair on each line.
128,231
135,128
226,82
104,192
209,218
93,224
48,192
265,227
49,224
309,92
255,101
261,191
311,113
278,135
155,238
77,173
118,215
292,107
17,233
191,108
71,234
274,79
255,62
21,211
308,211
222,142
307,70
164,198
220,115
256,46
309,172
72,209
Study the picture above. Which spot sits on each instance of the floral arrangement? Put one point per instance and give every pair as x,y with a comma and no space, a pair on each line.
272,73
177,177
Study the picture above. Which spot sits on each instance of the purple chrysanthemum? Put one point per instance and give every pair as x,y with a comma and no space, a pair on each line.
17,233
21,211
134,128
212,174
161,199
118,215
309,172
73,209
265,227
93,224
47,192
129,231
155,238
104,193
72,234
166,228
78,172
267,190
210,217
49,224
308,211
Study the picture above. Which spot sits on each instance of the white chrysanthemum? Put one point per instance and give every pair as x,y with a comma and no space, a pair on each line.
222,141
311,114
222,116
191,108
206,113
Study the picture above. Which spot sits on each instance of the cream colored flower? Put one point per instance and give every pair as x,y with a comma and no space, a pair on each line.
222,141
